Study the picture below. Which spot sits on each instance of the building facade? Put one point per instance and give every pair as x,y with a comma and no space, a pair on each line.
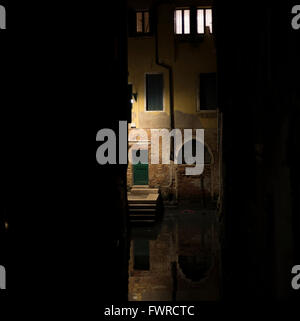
172,83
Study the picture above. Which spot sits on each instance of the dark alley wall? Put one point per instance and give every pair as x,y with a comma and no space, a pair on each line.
110,207
5,130
259,95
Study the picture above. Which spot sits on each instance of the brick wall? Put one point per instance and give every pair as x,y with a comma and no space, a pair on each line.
172,181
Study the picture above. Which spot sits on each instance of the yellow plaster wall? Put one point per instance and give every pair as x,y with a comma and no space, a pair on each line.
187,59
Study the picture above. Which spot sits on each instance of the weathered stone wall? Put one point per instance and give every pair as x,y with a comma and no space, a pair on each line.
174,184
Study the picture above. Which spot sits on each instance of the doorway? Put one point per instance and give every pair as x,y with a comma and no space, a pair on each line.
140,170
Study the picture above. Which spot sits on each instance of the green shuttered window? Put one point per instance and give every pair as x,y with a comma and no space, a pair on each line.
154,92
208,91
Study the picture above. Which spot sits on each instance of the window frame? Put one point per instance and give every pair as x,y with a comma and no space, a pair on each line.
143,33
145,92
204,20
182,34
193,22
199,94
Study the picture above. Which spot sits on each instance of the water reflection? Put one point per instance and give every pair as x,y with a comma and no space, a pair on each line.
177,258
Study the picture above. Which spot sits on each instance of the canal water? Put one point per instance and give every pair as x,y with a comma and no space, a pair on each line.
176,258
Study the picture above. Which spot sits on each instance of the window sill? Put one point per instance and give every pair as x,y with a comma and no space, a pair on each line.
189,38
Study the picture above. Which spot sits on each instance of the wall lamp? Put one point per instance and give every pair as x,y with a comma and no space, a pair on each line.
135,95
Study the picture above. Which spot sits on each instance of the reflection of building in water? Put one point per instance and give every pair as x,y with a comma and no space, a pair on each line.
177,259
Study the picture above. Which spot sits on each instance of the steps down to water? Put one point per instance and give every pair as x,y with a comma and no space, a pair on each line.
143,204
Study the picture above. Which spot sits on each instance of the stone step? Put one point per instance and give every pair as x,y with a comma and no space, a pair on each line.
146,205
143,196
140,186
144,191
141,216
142,203
142,210
136,216
142,221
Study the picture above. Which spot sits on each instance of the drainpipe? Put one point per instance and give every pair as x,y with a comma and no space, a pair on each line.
170,71
171,91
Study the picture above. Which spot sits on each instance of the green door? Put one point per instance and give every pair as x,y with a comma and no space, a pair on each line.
140,173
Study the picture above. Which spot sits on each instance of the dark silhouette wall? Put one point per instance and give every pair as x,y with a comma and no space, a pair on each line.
110,208
259,95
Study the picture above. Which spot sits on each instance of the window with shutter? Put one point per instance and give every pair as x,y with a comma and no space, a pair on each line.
154,92
208,91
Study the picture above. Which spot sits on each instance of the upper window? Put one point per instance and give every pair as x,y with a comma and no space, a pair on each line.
192,21
142,22
182,21
204,19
